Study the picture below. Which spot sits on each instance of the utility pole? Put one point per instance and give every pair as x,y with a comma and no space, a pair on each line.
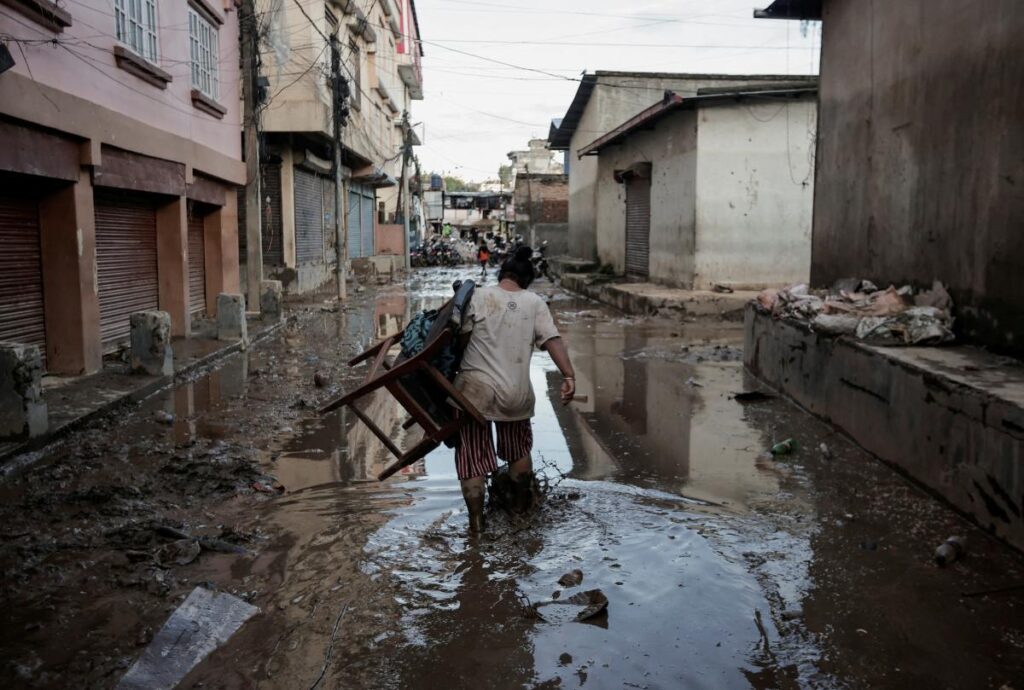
403,191
340,91
249,40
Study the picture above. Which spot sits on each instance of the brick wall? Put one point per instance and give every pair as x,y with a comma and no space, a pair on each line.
542,198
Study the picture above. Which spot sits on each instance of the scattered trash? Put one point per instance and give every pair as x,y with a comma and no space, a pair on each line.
163,417
578,607
694,382
825,451
791,614
718,287
180,552
321,380
267,488
784,447
182,538
894,316
571,578
915,326
203,622
751,397
835,324
950,550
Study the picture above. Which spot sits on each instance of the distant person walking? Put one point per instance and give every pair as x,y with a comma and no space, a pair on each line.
483,255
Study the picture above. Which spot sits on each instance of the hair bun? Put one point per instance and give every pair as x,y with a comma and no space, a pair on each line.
524,254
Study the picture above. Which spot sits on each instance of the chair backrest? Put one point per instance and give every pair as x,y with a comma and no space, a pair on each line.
454,310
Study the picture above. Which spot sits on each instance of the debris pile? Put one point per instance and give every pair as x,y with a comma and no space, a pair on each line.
858,308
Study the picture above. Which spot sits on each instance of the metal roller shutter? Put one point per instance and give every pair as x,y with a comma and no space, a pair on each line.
270,187
638,226
330,235
309,217
355,237
22,318
273,226
126,262
369,215
196,265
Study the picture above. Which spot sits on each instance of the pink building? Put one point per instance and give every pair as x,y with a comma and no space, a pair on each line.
121,156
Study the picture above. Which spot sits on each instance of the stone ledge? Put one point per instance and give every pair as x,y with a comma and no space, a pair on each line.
650,299
111,392
950,418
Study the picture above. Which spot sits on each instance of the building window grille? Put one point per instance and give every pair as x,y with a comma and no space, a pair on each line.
136,26
203,44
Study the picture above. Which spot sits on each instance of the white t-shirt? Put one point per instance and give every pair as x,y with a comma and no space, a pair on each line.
495,374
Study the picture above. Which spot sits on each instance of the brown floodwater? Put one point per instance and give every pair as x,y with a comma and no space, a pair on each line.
723,566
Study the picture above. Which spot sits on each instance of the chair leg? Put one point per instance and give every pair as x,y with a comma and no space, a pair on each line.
418,451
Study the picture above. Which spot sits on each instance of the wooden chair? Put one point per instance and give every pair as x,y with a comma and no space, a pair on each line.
420,388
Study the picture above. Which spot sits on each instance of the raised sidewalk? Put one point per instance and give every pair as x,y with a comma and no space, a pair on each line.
73,401
951,417
648,299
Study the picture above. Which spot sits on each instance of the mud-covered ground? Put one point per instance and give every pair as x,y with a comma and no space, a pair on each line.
723,567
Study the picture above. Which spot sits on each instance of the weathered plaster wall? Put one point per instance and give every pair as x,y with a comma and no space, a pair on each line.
671,149
921,154
86,70
615,99
755,182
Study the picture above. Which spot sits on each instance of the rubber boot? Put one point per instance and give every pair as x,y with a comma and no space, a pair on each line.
525,493
475,506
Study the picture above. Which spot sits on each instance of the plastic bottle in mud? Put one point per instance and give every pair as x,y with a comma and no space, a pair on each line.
950,550
784,447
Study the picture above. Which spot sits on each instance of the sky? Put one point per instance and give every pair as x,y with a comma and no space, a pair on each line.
475,109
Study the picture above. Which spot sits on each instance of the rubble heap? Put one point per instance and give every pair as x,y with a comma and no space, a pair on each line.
858,308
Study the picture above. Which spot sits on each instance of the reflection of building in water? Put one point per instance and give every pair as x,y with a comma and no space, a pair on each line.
367,455
190,401
638,416
643,420
390,312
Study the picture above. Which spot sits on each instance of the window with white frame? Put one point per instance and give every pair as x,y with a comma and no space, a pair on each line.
202,37
136,26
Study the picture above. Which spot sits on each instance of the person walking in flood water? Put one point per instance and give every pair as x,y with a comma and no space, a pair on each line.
500,330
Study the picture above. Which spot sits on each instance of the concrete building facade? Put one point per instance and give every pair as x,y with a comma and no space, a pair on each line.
120,161
710,189
537,158
380,55
919,160
921,153
603,101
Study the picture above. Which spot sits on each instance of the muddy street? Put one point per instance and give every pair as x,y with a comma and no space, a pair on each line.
723,566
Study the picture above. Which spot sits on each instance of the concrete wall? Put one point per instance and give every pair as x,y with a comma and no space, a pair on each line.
950,418
921,154
389,239
754,193
671,148
615,99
